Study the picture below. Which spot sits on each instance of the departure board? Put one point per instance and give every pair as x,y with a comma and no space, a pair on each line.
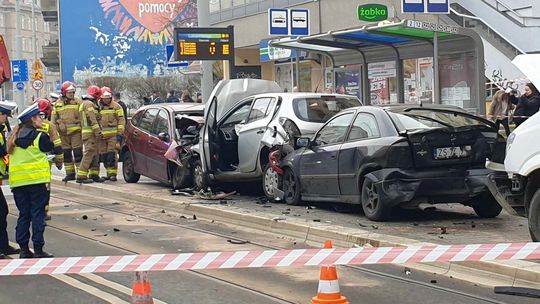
193,43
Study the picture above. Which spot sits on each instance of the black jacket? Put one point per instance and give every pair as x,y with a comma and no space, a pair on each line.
27,135
525,106
172,99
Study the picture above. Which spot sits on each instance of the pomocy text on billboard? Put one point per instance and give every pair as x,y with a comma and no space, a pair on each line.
124,38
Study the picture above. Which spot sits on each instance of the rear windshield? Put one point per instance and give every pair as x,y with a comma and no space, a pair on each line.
190,113
321,109
429,119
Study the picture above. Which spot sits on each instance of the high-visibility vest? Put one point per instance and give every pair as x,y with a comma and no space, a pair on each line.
29,166
4,160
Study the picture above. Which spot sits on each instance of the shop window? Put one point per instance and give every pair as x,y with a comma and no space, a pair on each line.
418,80
383,82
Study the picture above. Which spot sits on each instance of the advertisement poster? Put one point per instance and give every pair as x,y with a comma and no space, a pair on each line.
124,38
456,80
348,82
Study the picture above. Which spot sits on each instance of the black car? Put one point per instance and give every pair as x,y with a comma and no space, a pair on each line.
402,155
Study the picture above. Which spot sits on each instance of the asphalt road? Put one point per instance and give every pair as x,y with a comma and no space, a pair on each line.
89,226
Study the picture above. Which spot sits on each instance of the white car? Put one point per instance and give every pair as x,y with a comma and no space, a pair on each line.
245,118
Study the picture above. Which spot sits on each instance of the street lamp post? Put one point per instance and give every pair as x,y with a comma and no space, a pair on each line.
18,96
207,69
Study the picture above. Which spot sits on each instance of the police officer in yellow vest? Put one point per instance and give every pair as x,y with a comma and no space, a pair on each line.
29,174
5,111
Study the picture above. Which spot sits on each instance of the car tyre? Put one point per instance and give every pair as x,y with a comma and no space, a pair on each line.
373,208
181,178
291,188
486,206
534,217
200,178
128,169
270,180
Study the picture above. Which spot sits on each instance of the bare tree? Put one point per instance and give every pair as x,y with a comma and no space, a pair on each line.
117,84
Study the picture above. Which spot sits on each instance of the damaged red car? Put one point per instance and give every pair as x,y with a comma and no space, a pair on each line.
382,157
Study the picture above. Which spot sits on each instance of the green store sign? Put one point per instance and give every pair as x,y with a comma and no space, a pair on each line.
372,12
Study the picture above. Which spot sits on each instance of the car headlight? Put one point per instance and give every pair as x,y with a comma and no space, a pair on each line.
510,140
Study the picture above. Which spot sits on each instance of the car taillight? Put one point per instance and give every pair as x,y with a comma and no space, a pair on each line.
274,157
290,127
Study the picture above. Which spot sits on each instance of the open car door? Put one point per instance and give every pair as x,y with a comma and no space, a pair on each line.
225,96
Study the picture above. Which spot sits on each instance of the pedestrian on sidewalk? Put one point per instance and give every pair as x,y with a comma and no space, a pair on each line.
500,109
28,148
527,104
6,108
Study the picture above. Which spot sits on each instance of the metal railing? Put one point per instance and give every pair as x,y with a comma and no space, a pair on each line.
490,28
500,3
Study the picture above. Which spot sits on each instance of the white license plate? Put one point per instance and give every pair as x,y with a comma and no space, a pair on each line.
452,152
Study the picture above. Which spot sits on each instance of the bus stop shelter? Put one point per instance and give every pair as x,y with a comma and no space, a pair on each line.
454,55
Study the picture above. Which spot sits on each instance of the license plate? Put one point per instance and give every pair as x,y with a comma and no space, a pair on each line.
452,152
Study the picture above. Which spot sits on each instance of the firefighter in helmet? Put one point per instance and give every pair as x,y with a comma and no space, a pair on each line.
45,110
91,133
67,118
112,129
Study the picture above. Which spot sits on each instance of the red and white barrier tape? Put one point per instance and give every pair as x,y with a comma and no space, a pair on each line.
272,258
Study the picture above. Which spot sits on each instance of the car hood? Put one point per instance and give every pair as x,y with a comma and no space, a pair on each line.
528,64
227,93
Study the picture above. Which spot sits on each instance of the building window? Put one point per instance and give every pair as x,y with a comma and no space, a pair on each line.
1,20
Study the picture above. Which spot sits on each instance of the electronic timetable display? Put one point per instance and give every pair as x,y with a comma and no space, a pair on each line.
204,43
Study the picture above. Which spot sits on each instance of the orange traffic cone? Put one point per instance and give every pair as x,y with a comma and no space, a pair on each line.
328,291
142,292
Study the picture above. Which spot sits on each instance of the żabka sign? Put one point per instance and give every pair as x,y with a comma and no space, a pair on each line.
372,12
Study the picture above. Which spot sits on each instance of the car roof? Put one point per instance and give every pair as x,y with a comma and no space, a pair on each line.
178,107
403,107
302,95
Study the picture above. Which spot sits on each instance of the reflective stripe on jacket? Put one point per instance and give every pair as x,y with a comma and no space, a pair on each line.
112,120
29,166
89,117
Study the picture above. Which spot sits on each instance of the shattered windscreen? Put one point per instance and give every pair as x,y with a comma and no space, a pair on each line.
413,119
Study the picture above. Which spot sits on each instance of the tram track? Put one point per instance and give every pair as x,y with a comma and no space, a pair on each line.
365,271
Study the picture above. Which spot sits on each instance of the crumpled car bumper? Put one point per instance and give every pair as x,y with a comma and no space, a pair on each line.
397,186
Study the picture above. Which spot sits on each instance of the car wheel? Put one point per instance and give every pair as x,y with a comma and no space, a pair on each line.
486,206
128,169
271,180
181,178
373,208
291,188
200,179
534,217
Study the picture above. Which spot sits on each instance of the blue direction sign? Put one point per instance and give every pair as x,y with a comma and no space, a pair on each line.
438,6
20,86
19,70
170,58
299,22
278,21
412,6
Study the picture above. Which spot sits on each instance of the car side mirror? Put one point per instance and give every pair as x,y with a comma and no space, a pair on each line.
303,142
164,137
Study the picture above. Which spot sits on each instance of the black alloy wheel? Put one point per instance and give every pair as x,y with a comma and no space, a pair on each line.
200,179
291,188
373,208
128,169
181,178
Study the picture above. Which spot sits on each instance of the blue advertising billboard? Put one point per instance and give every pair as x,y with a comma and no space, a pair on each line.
124,38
